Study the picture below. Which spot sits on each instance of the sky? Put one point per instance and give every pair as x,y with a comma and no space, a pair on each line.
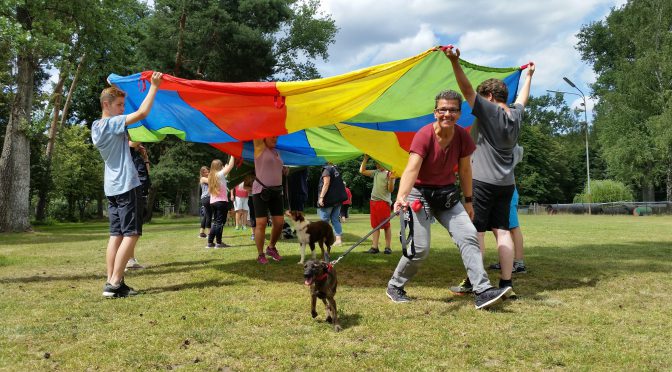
496,33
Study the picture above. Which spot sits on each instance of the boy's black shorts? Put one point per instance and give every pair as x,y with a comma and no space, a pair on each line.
125,213
492,205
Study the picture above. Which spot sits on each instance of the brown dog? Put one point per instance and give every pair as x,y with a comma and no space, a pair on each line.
310,233
321,277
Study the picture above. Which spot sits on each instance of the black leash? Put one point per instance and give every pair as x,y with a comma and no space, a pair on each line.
334,262
407,221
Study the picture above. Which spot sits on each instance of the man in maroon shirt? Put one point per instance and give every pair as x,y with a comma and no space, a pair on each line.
429,177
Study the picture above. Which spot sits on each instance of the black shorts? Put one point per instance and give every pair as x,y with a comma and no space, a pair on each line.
125,213
261,208
492,205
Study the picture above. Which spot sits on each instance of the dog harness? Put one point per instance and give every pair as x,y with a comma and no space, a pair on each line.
324,276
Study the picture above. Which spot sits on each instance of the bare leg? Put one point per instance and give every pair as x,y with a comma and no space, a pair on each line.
388,237
505,249
374,238
112,247
278,221
121,258
260,234
517,236
481,242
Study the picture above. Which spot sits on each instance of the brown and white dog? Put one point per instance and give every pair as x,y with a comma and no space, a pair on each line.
310,233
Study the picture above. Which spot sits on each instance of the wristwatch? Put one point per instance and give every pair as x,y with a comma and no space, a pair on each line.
468,199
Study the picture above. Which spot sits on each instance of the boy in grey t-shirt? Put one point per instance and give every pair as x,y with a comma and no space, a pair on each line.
122,184
497,153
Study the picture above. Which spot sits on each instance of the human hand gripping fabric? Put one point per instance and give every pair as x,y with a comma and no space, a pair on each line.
453,54
156,78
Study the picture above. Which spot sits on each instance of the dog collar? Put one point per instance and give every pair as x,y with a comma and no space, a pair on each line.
323,277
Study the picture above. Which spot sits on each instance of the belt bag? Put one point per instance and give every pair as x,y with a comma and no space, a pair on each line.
268,192
440,199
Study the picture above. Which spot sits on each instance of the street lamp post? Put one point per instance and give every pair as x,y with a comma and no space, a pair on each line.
585,113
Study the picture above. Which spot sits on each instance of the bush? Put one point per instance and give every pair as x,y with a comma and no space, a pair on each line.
605,191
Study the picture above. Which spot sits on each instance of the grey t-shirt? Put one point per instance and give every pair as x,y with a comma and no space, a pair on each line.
497,150
109,136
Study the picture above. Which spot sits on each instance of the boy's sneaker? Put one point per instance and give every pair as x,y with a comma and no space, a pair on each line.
463,288
252,237
129,291
373,250
221,245
202,235
491,297
118,291
511,295
495,266
387,250
273,252
397,295
519,269
210,245
262,259
133,264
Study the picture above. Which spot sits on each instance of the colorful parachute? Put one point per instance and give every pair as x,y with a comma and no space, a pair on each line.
375,110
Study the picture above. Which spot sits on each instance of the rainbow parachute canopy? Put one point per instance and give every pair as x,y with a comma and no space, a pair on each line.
375,110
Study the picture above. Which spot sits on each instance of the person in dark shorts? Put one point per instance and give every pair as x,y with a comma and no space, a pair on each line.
122,184
497,152
141,161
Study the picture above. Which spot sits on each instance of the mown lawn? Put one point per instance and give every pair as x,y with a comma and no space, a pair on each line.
597,296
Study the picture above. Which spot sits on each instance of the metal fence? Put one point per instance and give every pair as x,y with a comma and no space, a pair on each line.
614,208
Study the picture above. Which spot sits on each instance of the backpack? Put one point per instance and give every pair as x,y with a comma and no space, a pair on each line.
336,193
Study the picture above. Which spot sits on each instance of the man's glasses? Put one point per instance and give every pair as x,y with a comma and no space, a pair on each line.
443,111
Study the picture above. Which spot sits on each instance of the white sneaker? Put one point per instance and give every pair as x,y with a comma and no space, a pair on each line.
133,264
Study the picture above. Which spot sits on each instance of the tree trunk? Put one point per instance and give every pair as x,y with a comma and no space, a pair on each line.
43,193
73,85
648,192
99,199
669,181
194,201
15,158
180,41
151,199
178,202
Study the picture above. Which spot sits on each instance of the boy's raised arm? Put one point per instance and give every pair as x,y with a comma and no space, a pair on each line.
146,105
462,80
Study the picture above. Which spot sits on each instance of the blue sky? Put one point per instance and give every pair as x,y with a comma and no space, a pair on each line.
488,32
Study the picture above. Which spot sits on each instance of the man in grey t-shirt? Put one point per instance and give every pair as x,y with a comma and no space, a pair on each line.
497,153
121,181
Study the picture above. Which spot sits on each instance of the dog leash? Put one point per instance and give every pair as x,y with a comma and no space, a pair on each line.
334,262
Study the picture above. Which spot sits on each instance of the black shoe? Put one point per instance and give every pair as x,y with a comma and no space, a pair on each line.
373,250
129,291
202,235
520,269
495,266
116,291
491,297
387,250
397,295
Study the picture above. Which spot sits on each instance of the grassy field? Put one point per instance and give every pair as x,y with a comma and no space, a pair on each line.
597,296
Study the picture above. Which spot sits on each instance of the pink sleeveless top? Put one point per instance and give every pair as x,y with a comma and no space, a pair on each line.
268,168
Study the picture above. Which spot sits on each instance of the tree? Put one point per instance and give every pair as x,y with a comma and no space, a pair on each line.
629,51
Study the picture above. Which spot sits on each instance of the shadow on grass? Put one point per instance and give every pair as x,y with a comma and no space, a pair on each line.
550,268
192,285
171,267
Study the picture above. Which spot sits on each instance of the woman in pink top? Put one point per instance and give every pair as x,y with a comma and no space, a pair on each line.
240,206
267,196
219,202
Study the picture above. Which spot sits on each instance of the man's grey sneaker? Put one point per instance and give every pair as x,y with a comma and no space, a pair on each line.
129,291
463,288
397,295
491,297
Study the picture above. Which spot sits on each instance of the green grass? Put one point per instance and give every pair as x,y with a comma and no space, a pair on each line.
597,297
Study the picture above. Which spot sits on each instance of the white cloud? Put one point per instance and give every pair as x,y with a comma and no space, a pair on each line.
499,34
